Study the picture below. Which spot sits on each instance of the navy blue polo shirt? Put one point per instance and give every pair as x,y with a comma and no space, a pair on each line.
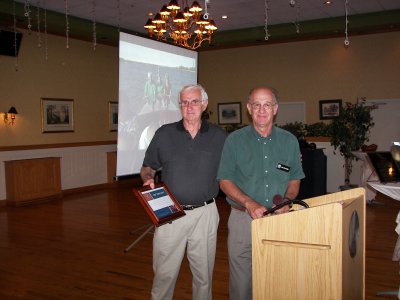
189,165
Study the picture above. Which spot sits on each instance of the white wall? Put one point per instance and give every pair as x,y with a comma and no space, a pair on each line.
387,123
80,166
335,169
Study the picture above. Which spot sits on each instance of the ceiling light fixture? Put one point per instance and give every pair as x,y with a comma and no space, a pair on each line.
188,28
346,39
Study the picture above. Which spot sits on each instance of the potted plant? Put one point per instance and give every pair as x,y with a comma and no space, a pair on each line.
296,128
317,129
349,131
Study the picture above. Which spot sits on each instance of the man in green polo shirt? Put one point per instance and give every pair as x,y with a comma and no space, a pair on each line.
258,162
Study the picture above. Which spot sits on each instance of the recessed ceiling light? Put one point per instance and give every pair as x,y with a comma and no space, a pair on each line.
224,17
327,2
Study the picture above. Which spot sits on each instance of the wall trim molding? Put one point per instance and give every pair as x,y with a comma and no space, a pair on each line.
85,189
103,186
59,145
82,164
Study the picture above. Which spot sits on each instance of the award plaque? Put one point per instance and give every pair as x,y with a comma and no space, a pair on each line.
159,203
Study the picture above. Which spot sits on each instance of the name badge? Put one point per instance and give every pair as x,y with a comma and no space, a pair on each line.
283,167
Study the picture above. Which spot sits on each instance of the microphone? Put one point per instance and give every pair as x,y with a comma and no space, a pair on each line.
280,202
277,199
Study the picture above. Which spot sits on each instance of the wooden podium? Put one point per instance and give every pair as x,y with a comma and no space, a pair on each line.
315,253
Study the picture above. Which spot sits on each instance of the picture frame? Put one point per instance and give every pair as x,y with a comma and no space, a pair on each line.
113,116
57,115
329,109
229,113
159,203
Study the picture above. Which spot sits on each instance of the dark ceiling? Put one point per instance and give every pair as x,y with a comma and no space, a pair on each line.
245,25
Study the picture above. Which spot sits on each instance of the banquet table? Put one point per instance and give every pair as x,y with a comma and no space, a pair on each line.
368,174
393,191
389,189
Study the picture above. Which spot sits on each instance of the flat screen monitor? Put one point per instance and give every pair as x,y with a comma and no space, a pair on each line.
385,166
10,42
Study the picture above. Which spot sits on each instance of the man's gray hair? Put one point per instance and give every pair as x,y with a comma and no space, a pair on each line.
273,91
204,96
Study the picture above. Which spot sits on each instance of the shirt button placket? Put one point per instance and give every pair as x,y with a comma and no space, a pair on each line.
266,172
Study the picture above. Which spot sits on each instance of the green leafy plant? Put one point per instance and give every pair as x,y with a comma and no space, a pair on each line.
295,128
301,130
232,127
350,130
317,129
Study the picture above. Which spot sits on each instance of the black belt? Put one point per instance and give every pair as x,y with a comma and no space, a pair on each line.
191,207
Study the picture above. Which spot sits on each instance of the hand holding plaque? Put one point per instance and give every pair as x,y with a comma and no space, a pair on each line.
159,203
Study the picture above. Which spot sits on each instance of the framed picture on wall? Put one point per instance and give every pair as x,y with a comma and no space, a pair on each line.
329,109
113,115
229,113
57,115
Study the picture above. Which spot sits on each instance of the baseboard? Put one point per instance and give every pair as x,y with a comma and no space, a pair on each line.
116,184
109,185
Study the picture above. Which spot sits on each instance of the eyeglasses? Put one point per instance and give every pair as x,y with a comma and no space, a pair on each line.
185,103
266,106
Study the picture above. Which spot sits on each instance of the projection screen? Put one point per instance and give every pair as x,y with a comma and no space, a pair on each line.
151,74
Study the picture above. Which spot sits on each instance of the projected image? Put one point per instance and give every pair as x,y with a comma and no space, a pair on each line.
157,93
151,74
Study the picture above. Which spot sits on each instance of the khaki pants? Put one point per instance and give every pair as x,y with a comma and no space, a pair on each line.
197,234
240,257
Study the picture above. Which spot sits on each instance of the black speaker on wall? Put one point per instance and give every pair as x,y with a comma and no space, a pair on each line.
7,42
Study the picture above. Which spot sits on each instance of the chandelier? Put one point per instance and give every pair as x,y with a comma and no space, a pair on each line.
188,27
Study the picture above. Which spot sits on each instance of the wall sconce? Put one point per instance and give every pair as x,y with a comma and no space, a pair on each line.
9,117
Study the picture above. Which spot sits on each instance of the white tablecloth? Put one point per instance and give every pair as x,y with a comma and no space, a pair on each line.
396,253
368,174
393,191
390,189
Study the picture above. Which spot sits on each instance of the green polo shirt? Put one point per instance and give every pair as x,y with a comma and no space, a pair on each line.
261,167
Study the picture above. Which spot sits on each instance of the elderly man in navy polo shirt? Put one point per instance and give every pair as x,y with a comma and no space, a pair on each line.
188,152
